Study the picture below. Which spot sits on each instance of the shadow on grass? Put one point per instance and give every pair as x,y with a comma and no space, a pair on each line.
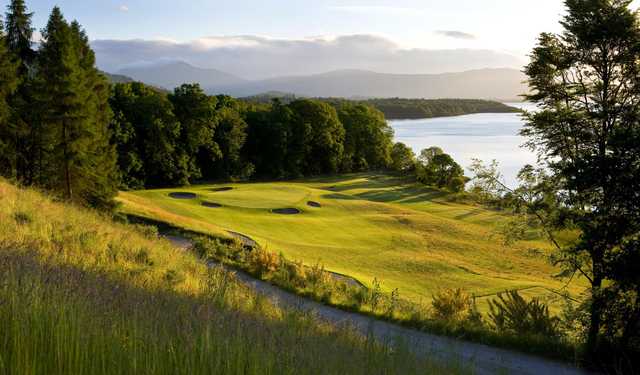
62,316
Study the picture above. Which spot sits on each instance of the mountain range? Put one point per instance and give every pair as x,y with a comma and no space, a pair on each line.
501,84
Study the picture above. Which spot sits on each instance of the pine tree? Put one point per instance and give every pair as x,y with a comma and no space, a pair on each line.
81,165
15,161
8,84
20,33
102,157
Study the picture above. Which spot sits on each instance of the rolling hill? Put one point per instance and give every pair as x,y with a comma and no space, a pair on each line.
173,74
504,84
500,84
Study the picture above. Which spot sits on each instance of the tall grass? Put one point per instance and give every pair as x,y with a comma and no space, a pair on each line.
82,295
452,312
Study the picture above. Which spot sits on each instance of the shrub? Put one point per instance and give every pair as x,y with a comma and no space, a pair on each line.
452,305
293,273
511,313
262,262
456,184
317,276
375,295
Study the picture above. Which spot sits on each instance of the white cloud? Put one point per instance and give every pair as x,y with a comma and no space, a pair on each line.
123,8
253,56
377,9
456,34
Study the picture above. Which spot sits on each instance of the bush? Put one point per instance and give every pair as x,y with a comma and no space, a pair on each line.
511,313
456,184
262,262
291,274
453,305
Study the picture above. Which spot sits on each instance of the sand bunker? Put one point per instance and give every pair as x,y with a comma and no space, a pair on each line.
314,204
225,188
286,211
182,195
211,204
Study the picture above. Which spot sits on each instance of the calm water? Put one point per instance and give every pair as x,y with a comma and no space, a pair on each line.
484,136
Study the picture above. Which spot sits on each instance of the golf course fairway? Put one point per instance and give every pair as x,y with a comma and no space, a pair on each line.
368,226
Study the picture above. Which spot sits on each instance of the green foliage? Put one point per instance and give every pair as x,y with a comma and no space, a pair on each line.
8,85
402,158
317,137
435,168
453,306
79,162
511,313
196,112
8,78
587,132
368,138
147,136
426,108
230,137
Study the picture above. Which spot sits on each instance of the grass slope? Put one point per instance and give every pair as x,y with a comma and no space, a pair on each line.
369,226
80,294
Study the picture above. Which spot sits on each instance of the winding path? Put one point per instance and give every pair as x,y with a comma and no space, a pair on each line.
480,359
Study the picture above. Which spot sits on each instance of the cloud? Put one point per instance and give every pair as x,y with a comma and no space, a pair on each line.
456,34
380,9
256,57
123,8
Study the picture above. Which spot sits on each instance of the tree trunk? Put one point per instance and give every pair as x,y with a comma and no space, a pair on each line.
595,315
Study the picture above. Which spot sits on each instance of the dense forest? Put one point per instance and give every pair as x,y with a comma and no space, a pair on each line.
400,109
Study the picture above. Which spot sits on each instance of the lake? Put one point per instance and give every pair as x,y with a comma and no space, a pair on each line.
485,136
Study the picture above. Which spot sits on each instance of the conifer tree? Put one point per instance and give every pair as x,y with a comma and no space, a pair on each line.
15,161
102,158
8,84
73,95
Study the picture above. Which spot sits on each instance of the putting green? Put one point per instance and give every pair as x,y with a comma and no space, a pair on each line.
368,226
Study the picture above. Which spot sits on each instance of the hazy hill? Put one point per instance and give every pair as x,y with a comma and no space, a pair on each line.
504,84
171,75
117,78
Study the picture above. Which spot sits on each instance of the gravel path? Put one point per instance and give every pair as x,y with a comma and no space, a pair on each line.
481,359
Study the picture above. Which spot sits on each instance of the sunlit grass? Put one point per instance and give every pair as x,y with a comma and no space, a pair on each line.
412,238
80,294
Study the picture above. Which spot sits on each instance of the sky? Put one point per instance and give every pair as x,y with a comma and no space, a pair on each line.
197,31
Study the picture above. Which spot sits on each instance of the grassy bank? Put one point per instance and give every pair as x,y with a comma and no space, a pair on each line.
81,294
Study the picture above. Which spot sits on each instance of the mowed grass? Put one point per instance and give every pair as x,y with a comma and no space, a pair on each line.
409,237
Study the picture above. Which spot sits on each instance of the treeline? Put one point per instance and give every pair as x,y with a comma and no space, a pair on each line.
178,138
398,109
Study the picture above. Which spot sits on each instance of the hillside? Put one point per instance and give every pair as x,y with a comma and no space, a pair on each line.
496,84
117,78
171,75
502,84
81,294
